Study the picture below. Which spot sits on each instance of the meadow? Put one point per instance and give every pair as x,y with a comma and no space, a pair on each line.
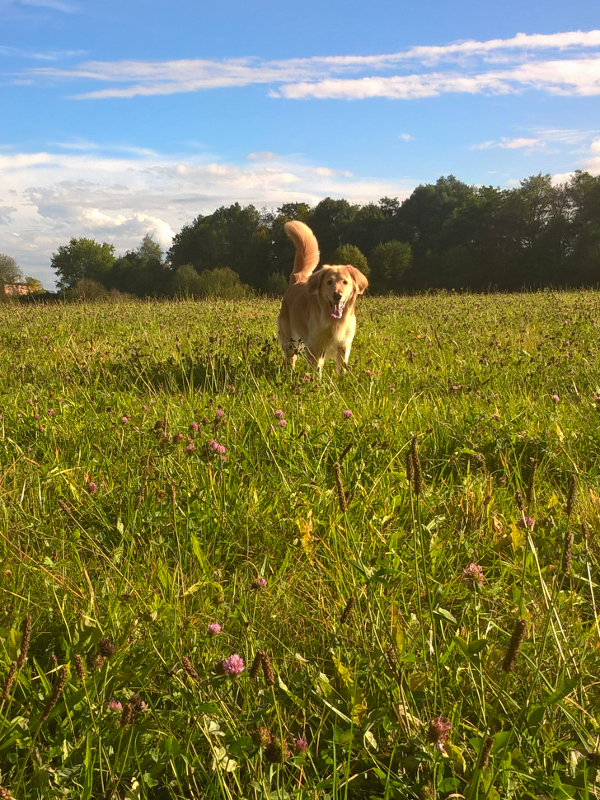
222,579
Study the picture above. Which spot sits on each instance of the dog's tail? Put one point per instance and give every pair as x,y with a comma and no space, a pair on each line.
307,250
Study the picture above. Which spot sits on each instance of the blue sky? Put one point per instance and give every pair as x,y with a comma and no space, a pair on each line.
121,118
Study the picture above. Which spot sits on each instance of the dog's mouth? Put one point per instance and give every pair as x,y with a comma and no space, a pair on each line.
337,309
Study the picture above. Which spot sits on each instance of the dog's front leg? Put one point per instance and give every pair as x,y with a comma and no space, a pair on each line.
342,356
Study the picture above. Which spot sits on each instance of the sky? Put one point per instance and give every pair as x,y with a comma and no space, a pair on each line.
119,119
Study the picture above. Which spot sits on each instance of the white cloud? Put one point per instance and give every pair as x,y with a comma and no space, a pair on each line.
55,5
547,139
576,72
46,198
512,144
406,137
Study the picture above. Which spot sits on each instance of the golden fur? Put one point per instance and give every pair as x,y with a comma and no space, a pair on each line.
317,309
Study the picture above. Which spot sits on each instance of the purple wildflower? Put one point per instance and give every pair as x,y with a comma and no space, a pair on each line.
438,731
92,487
283,423
259,583
216,447
194,426
234,665
114,705
51,412
279,414
124,419
347,413
392,390
473,574
555,398
219,413
190,448
301,745
526,522
214,629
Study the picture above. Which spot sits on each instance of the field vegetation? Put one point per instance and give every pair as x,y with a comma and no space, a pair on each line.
222,579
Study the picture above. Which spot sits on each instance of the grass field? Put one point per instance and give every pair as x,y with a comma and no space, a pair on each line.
161,472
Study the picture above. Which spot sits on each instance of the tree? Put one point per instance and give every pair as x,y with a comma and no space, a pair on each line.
349,254
149,249
389,262
9,271
82,258
186,281
34,286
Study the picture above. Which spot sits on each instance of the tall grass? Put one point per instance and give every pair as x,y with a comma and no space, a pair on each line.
402,636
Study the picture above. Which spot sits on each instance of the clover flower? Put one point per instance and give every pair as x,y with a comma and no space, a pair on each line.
233,665
92,487
282,423
259,583
438,731
473,574
114,705
301,745
279,414
214,629
347,413
526,522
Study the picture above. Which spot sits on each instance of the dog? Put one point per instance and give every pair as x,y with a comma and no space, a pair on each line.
317,309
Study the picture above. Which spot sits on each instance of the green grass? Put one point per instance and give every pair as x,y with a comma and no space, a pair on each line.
173,540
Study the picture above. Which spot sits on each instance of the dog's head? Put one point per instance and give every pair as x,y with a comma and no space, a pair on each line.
337,287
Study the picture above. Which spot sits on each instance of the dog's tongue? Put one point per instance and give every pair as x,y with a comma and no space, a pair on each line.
337,310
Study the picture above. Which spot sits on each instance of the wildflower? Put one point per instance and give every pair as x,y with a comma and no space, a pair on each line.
92,487
438,731
194,426
124,419
144,407
347,413
216,447
279,414
526,522
190,448
51,412
283,423
36,415
178,438
368,373
234,665
392,390
301,745
114,705
219,413
555,398
259,583
214,629
496,416
473,574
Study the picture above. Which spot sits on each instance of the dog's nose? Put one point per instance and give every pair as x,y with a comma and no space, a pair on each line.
337,296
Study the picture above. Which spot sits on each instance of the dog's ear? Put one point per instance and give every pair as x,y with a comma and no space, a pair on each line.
313,284
360,280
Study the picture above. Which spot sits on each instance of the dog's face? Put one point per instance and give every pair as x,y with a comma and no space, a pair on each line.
337,288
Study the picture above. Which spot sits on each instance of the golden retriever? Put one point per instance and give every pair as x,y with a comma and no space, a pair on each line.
317,309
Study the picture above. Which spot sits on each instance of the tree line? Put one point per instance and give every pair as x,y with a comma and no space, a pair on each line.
446,235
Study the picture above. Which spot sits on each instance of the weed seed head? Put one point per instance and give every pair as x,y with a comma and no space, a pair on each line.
25,641
261,736
484,759
10,679
516,640
187,665
79,668
347,611
105,647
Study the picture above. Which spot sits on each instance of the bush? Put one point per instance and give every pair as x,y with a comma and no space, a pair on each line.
221,282
86,289
276,284
349,254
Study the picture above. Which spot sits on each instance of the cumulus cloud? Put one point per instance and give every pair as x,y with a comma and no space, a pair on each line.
46,198
546,139
574,69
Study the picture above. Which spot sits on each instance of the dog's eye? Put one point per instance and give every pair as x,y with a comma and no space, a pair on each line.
330,281
345,283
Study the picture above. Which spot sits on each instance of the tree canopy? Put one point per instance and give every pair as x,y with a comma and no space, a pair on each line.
447,234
